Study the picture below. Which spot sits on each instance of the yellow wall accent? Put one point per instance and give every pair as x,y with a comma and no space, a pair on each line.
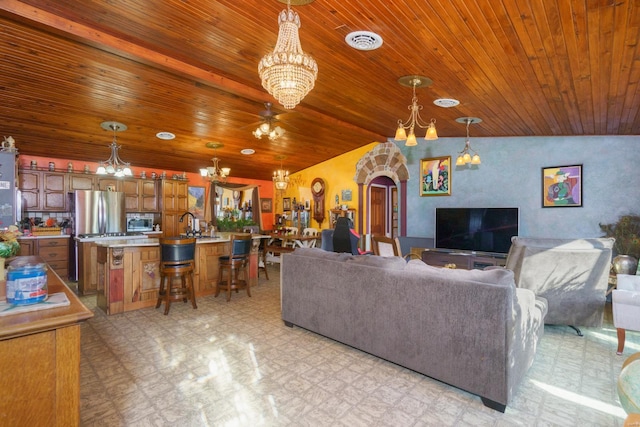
337,173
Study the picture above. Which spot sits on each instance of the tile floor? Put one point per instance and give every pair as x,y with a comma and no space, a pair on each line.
236,364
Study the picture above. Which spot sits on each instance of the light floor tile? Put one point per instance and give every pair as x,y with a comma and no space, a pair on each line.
236,364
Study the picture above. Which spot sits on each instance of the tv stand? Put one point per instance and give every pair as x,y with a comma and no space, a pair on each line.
467,260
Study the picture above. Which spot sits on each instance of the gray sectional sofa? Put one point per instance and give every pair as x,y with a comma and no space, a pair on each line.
471,329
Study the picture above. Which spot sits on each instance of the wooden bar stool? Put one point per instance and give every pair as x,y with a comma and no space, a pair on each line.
177,261
262,258
233,264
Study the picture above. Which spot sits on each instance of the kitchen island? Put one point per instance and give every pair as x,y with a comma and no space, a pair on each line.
128,273
40,361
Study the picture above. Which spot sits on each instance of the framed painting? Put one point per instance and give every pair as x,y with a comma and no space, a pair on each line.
435,176
286,204
562,186
195,203
266,205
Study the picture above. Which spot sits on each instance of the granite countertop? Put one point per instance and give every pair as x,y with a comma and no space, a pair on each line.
221,238
55,236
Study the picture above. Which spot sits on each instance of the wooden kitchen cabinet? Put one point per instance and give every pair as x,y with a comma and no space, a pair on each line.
87,273
207,266
79,181
148,195
131,187
26,247
175,195
54,191
40,363
43,190
140,195
55,252
29,184
174,204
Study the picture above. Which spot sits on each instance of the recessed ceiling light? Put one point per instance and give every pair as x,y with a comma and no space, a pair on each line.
248,151
165,135
363,40
446,102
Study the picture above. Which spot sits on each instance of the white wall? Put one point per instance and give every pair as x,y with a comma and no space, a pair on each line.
510,175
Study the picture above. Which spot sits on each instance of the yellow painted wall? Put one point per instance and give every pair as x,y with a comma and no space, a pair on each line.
338,174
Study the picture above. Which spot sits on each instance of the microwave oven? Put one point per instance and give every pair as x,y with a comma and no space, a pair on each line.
140,224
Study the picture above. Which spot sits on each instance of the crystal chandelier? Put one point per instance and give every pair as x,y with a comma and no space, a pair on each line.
114,165
414,118
281,176
266,128
288,73
215,173
465,157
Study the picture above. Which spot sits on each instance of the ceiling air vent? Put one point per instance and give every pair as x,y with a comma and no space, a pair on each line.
446,102
363,40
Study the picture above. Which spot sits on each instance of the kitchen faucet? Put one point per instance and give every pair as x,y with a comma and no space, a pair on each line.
185,214
193,217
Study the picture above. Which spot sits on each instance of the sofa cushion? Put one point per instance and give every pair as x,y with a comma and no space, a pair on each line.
322,254
388,263
493,276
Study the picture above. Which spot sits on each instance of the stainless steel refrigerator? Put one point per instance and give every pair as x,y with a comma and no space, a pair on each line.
94,213
99,212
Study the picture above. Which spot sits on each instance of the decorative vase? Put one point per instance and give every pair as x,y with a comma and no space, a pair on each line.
625,264
629,387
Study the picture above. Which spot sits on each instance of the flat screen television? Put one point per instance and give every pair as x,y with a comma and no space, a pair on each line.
476,229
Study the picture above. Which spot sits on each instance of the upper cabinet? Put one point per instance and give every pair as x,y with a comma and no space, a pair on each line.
79,181
46,191
43,190
175,195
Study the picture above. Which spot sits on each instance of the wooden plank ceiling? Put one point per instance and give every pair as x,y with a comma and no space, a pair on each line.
526,67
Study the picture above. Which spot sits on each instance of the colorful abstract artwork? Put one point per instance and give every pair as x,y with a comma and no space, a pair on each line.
562,186
435,176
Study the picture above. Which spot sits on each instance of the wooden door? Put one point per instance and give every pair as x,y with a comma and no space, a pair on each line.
378,211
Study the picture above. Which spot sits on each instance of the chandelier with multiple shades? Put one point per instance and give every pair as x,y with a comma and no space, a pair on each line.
465,157
215,173
114,165
288,73
414,118
281,176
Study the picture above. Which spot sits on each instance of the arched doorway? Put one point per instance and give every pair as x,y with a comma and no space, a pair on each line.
384,160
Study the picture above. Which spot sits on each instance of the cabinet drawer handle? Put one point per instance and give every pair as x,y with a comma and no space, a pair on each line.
53,255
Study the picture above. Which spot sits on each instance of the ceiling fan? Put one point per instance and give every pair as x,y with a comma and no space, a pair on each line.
267,126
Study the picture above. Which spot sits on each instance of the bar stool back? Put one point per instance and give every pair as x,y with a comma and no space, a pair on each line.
235,263
177,261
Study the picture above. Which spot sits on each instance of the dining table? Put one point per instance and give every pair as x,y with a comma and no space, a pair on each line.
279,243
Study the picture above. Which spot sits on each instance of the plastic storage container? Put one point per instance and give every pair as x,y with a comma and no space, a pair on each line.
26,284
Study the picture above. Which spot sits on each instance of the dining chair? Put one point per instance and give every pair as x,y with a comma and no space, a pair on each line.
386,246
310,232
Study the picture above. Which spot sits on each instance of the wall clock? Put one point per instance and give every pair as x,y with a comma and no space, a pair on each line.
317,192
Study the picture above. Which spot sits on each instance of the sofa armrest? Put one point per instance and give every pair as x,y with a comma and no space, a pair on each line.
620,296
528,316
628,282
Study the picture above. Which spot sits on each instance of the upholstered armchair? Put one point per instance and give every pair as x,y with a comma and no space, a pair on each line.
572,274
626,306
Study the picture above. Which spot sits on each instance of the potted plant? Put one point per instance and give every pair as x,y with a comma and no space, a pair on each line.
627,245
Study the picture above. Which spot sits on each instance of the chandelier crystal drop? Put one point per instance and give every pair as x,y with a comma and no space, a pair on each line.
288,73
114,165
281,177
414,117
215,173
